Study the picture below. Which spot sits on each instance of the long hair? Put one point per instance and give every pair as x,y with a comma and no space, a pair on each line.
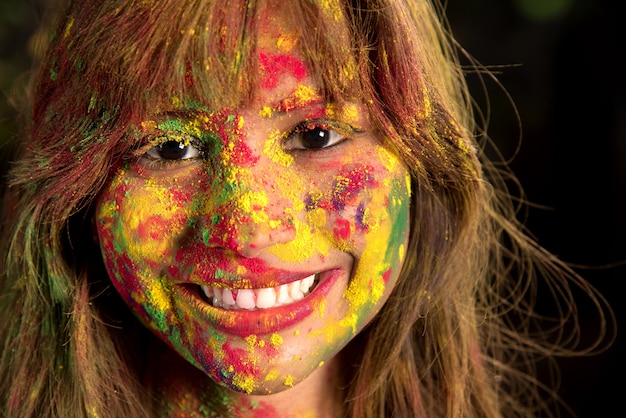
457,335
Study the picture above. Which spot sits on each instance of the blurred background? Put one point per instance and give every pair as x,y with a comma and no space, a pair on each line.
561,63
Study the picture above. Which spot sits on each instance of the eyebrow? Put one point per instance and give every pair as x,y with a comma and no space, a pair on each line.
303,97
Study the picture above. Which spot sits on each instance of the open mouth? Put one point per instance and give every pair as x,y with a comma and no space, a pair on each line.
264,298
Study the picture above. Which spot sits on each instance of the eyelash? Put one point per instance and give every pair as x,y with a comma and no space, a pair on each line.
330,128
331,131
186,143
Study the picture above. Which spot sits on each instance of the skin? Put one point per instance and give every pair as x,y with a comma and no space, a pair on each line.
234,198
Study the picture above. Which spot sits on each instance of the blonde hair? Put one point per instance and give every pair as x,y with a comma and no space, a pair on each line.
457,336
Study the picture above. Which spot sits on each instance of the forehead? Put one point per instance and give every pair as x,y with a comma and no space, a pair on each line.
234,47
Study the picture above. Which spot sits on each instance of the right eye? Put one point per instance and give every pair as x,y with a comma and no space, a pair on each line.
173,150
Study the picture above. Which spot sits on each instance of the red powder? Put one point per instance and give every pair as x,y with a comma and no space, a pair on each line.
386,275
349,183
233,356
274,66
225,125
342,229
181,196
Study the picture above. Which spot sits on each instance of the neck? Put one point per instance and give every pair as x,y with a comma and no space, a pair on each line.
183,390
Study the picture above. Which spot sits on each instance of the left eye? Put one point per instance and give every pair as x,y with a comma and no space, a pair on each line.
312,136
173,150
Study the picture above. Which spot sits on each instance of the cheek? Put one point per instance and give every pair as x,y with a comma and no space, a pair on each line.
366,206
366,214
140,225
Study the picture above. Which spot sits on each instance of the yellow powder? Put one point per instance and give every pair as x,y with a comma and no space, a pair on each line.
275,223
265,112
289,381
251,341
148,125
246,383
276,340
271,375
158,296
426,110
349,322
321,308
331,8
305,245
304,94
286,43
317,217
93,412
252,203
389,160
272,149
350,114
68,27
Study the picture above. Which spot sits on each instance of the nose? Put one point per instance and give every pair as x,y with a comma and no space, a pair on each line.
248,222
252,205
239,232
252,241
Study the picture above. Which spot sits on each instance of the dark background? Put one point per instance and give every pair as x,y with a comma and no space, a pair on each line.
563,69
561,65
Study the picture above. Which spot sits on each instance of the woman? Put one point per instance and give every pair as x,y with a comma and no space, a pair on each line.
261,208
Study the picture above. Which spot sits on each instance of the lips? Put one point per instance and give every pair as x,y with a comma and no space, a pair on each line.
243,322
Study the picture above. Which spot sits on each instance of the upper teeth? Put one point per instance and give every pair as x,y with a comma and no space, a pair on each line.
259,298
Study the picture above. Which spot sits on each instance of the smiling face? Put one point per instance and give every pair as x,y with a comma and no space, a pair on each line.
258,241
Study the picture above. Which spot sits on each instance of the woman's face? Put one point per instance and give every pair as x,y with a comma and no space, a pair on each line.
258,241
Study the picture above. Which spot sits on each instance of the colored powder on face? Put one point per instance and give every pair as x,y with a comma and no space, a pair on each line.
243,372
273,149
317,217
304,96
274,66
271,375
348,113
342,229
347,185
276,340
157,304
253,204
244,382
305,245
172,125
389,160
320,309
265,112
350,321
289,381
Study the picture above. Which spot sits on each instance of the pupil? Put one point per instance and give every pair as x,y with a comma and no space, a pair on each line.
172,150
315,138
